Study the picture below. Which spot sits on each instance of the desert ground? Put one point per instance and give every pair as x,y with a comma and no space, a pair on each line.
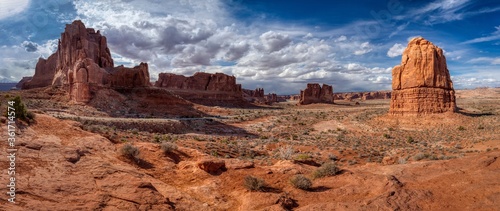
71,157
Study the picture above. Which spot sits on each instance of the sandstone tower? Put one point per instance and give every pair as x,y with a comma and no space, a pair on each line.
82,65
421,84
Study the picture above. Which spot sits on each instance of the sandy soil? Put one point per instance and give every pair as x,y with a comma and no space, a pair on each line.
442,162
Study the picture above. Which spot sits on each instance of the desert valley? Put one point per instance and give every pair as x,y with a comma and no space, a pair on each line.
94,136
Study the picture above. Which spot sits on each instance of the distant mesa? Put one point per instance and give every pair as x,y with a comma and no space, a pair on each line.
82,65
422,84
314,93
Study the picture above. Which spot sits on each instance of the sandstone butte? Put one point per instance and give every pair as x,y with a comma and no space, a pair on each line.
314,93
421,84
82,65
200,81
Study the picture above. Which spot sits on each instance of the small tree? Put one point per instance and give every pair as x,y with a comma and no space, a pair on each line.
20,109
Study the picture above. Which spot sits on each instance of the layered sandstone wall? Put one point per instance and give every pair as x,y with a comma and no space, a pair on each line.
314,93
421,83
216,89
199,82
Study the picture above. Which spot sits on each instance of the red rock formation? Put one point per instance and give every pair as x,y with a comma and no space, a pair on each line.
204,88
199,81
82,65
421,83
271,98
295,97
22,82
314,93
258,92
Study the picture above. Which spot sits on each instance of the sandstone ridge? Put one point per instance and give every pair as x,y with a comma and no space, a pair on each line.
422,84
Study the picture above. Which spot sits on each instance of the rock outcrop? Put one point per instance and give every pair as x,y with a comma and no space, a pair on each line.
421,84
314,93
82,65
258,92
199,81
216,89
349,96
21,83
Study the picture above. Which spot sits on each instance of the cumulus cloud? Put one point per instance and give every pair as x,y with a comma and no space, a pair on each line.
274,41
364,48
12,7
396,50
184,37
259,55
30,46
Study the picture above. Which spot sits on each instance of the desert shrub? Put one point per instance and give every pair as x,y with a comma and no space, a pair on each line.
480,127
301,182
410,140
333,157
130,151
461,128
326,170
254,183
285,153
20,110
302,157
168,147
419,156
387,136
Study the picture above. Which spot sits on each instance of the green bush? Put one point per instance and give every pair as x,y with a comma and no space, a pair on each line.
20,110
254,184
326,170
130,151
301,182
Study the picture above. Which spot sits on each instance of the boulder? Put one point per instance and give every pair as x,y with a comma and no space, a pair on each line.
211,166
421,83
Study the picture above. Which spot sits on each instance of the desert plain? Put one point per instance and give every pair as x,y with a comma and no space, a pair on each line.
70,157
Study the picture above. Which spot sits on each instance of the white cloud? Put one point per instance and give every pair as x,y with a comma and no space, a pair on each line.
341,39
493,36
274,41
490,60
443,11
364,48
396,50
12,7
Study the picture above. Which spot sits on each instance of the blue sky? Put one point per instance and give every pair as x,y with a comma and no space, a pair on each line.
278,45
